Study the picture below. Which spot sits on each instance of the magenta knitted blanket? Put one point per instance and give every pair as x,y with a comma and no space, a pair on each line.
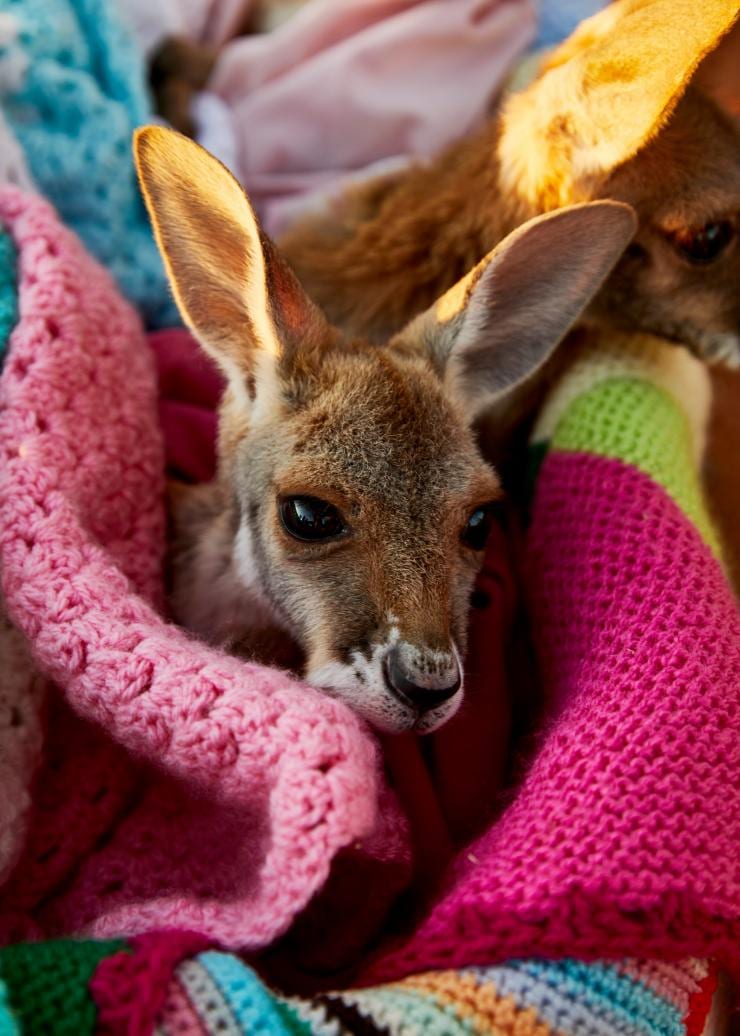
193,790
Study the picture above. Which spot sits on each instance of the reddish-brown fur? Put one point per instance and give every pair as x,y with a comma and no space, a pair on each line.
608,118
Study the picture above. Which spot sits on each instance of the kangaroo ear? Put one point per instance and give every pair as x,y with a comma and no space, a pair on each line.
718,75
231,286
497,326
604,94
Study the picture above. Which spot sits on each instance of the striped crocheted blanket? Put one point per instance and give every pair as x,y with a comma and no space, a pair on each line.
157,784
172,985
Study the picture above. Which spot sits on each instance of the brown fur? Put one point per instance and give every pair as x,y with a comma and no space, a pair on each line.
383,434
719,74
178,69
612,116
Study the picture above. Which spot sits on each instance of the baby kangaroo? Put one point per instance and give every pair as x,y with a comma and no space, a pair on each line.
351,505
613,115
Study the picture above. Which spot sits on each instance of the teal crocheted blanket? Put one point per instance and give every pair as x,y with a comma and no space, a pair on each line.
8,293
72,90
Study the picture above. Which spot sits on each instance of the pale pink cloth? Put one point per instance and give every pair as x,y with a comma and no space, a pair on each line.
207,21
346,88
213,21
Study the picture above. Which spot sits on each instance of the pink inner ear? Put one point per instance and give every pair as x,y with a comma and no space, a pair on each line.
298,321
290,308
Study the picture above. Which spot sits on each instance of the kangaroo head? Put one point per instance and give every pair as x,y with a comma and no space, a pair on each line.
613,115
360,504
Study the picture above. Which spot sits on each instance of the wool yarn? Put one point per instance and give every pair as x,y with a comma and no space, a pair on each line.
180,788
77,95
165,984
256,780
639,642
45,985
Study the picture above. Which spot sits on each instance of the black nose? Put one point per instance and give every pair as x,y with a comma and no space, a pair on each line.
401,682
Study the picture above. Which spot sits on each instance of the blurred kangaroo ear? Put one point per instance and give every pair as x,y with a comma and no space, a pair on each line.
718,75
604,94
231,286
496,327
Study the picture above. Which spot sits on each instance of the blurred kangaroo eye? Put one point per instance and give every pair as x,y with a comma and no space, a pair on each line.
706,244
478,526
308,518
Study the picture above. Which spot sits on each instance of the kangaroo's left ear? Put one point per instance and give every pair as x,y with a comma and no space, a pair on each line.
231,285
496,327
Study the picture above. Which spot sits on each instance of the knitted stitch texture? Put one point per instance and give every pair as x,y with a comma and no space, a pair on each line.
132,987
176,989
624,832
620,840
47,985
259,780
73,110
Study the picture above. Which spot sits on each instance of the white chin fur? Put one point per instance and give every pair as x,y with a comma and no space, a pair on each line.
371,699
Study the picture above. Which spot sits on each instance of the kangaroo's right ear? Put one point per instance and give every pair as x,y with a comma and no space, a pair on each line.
605,92
491,332
233,289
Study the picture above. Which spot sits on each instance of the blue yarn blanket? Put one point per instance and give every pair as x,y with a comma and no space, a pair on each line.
72,90
8,294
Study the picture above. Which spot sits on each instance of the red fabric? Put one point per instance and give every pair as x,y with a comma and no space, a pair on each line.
190,387
700,1004
130,988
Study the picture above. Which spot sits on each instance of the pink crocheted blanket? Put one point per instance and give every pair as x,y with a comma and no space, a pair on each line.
159,783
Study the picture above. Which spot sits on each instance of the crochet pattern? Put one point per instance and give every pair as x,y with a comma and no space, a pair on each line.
73,104
165,983
259,780
46,986
181,788
639,640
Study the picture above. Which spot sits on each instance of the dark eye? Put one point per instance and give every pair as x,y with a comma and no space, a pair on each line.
706,244
478,526
308,518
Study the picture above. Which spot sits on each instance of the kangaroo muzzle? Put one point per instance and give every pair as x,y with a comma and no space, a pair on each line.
421,680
